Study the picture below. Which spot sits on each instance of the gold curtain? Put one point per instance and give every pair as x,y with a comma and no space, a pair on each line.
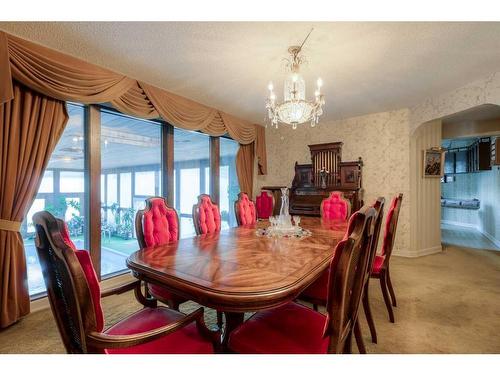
244,168
30,126
5,75
64,77
48,76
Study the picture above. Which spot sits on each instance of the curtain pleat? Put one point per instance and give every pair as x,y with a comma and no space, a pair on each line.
30,126
179,111
65,77
5,74
239,129
135,102
245,158
34,80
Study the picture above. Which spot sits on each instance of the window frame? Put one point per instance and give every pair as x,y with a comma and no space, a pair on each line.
92,176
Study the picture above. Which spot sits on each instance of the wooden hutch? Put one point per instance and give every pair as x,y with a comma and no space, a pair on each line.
308,189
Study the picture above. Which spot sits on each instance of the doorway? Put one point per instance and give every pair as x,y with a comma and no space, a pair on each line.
470,186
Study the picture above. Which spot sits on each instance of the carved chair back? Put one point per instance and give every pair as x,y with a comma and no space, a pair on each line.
379,215
206,215
346,281
335,207
157,224
244,210
264,203
391,225
69,293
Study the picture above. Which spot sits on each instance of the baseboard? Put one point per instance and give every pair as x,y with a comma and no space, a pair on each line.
494,240
491,238
459,224
43,303
418,253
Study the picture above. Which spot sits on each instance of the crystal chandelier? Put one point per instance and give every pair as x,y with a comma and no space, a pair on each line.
295,109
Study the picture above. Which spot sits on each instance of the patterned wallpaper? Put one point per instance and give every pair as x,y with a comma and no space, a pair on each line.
482,91
381,139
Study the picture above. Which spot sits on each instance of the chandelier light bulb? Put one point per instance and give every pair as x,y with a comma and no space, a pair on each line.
295,108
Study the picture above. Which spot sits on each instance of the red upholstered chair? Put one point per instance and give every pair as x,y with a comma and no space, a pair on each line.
316,293
296,329
335,207
74,294
264,203
206,219
206,215
380,268
244,210
158,224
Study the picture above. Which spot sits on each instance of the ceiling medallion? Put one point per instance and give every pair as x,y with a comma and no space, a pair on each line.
295,109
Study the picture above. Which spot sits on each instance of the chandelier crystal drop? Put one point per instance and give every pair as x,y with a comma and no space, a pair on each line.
295,109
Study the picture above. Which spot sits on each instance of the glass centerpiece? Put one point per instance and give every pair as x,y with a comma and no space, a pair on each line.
284,219
282,226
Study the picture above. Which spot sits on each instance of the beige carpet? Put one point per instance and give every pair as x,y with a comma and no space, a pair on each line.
447,303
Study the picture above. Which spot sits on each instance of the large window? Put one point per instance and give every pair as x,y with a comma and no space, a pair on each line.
130,173
192,175
130,151
228,180
61,192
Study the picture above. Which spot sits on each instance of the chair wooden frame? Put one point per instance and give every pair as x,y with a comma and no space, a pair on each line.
343,324
237,208
197,228
379,209
342,197
196,213
376,224
384,275
70,298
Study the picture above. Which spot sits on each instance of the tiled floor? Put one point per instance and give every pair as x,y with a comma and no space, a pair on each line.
471,238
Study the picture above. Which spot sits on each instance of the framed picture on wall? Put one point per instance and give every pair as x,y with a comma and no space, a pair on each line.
433,162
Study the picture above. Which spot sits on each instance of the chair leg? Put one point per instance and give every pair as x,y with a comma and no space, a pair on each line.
315,307
219,319
348,344
359,338
391,290
385,293
173,305
369,316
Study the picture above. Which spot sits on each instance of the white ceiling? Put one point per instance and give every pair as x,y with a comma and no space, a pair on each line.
367,67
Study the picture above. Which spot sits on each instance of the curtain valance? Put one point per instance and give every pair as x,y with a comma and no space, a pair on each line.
64,77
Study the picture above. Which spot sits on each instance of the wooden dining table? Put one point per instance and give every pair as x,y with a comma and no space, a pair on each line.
236,270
